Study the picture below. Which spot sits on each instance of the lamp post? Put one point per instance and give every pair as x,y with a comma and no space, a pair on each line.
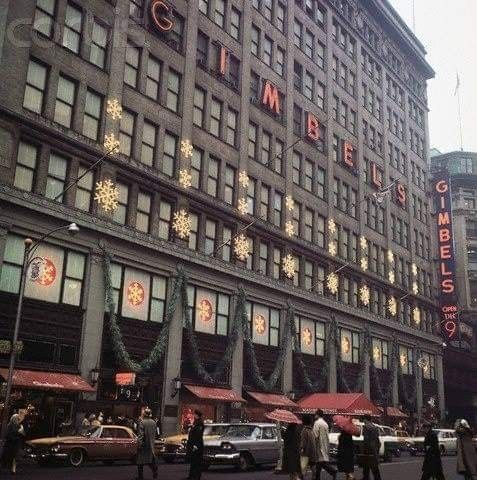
30,248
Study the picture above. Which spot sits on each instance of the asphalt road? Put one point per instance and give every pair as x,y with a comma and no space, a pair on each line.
405,468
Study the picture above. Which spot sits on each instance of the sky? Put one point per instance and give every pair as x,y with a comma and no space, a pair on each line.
447,30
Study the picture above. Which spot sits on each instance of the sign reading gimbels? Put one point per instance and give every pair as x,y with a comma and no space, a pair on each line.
161,15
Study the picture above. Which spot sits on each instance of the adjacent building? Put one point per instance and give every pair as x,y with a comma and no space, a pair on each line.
306,186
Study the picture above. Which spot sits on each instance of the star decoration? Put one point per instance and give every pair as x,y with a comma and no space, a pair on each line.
288,265
243,179
114,109
242,206
289,228
331,226
364,295
392,306
185,178
135,294
182,223
390,256
363,242
416,315
107,195
376,353
414,269
391,276
364,263
242,247
260,324
187,148
111,144
306,336
332,249
332,282
415,288
289,203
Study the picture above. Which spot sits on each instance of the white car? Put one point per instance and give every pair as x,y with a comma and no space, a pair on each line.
447,442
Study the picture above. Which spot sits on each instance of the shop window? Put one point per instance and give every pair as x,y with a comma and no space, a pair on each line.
406,360
349,342
264,324
380,354
311,336
36,351
209,310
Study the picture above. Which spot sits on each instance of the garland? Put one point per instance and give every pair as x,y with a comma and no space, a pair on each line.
122,355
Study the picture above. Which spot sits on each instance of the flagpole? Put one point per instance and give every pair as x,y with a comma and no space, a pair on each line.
459,112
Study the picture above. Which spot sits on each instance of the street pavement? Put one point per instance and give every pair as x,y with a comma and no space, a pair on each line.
405,468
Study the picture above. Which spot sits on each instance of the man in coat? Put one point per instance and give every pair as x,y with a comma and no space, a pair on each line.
321,431
195,446
466,456
146,437
371,446
432,466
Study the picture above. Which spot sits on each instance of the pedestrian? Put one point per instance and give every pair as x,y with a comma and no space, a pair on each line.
466,456
432,465
321,431
278,466
85,425
13,441
308,452
145,439
291,451
371,446
195,446
345,454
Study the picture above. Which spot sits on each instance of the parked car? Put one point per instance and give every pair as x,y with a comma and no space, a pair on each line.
107,443
174,447
244,445
447,442
404,439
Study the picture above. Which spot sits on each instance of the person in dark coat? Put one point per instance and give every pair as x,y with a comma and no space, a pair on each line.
13,441
308,450
195,446
466,456
291,451
432,465
345,456
146,437
371,446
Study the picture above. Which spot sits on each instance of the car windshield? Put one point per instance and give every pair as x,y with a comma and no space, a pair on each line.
242,431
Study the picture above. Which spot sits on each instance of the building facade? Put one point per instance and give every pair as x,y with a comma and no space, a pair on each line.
308,122
460,354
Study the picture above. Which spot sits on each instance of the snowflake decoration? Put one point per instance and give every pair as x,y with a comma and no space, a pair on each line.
392,306
423,363
185,178
363,242
364,295
307,337
403,359
260,324
242,247
332,282
242,206
111,144
114,109
331,226
289,203
415,288
107,195
288,265
135,294
182,223
364,263
376,353
390,256
205,310
187,148
391,276
243,179
416,315
332,249
289,228
414,269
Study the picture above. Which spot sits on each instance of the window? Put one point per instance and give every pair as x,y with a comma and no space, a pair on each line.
136,8
298,33
44,17
202,49
26,165
126,132
232,118
153,76
35,87
120,214
280,17
84,189
229,185
297,120
99,42
131,67
276,263
321,231
226,241
280,61
380,354
264,201
235,23
309,86
196,167
349,346
165,218
311,336
252,140
320,182
267,51
210,234
296,167
251,196
255,40
251,248
406,360
199,106
219,17
204,6
55,180
169,156
277,209
216,320
264,324
266,147
215,117
263,260
213,176
143,211
73,28
65,100
279,146
308,275
148,146
309,225
92,115
173,90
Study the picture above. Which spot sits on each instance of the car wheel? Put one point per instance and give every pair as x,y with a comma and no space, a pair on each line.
442,449
245,462
76,457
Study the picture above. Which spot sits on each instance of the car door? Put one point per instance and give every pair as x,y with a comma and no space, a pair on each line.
257,445
125,444
270,444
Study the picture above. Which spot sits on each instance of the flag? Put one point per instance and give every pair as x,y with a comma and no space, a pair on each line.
457,85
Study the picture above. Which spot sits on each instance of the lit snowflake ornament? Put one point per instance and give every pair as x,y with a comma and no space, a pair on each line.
111,144
363,242
332,249
364,263
332,283
182,223
242,247
289,228
114,109
414,269
364,295
107,195
187,148
423,363
392,306
416,316
185,178
391,276
243,179
390,256
415,288
331,226
289,203
242,206
288,265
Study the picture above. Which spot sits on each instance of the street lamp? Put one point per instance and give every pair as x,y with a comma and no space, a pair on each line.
30,248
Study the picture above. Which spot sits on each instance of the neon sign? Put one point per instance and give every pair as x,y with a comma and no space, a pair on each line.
270,97
161,15
449,308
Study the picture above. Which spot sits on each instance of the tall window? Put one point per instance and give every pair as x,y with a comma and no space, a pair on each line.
35,87
92,115
194,231
232,118
44,17
263,259
266,147
226,249
213,176
99,42
26,165
215,117
349,346
264,201
264,324
199,106
165,218
143,211
311,336
148,146
169,156
252,140
55,180
126,132
255,40
84,189
120,214
267,51
380,354
65,100
173,90
276,263
219,17
309,225
196,167
153,77
235,23
252,184
210,234
277,209
204,6
279,147
131,68
229,185
73,28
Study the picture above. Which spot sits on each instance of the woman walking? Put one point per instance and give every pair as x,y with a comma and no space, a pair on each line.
432,466
291,451
466,456
345,454
13,441
308,449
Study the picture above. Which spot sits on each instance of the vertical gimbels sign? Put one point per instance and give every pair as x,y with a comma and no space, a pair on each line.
446,256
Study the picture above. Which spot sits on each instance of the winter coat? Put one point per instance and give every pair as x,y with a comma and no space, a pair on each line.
432,465
13,441
308,444
291,449
345,458
371,445
466,456
195,441
146,437
321,431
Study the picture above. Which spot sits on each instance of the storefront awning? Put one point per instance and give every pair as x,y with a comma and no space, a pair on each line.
272,399
338,403
393,412
217,394
63,382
